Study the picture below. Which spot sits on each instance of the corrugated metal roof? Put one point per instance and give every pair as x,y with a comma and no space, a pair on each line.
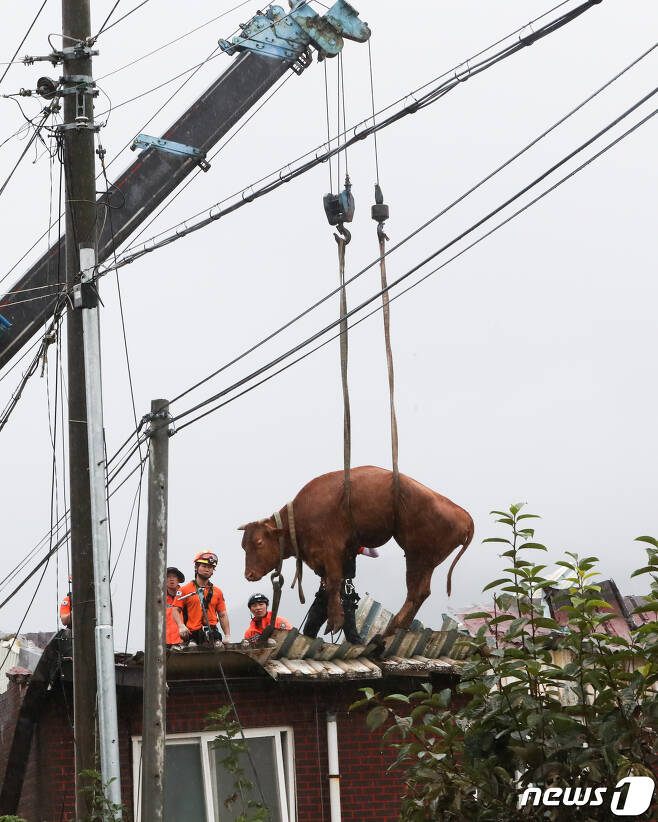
292,656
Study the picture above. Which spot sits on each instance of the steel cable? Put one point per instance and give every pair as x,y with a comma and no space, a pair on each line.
422,279
427,259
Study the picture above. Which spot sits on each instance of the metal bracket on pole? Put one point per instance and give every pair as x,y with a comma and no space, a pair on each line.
286,36
82,125
145,141
77,52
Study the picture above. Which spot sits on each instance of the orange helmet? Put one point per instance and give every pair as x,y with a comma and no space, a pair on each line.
206,557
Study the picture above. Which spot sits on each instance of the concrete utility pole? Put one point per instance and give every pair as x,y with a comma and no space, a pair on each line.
92,623
155,674
79,171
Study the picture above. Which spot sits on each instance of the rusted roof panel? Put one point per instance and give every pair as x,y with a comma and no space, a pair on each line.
415,665
290,655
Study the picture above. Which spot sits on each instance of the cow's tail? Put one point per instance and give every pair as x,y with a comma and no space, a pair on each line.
467,542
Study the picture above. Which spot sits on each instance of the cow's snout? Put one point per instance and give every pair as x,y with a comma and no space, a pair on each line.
252,576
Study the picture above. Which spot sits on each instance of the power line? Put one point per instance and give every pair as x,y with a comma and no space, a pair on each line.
353,128
194,70
20,360
422,279
418,103
424,225
378,308
431,220
136,543
190,180
54,548
108,185
49,337
173,42
20,45
46,114
162,85
424,262
105,27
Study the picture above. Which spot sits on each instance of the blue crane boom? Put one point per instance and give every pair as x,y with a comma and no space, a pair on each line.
270,44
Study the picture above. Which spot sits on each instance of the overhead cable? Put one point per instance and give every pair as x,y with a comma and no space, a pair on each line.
46,114
243,123
504,222
419,103
172,42
427,259
20,45
49,337
283,168
378,308
62,541
105,27
420,228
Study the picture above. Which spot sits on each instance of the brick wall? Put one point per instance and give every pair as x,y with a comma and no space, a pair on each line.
368,792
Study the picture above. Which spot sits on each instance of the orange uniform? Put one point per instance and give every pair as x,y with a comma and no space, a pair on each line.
257,629
189,602
65,607
173,637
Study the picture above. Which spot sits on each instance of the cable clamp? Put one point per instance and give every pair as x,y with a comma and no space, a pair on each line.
87,88
80,124
152,417
77,52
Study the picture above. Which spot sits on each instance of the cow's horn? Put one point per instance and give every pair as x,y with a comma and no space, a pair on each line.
242,528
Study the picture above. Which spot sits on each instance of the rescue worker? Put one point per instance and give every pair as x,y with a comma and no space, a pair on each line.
258,604
199,605
175,579
65,608
349,598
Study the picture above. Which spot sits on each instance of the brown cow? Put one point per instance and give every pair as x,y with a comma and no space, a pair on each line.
428,528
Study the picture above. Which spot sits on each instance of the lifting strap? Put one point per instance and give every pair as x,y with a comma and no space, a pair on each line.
277,585
277,576
293,539
380,213
342,240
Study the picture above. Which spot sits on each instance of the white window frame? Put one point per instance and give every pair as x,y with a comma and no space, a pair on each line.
284,754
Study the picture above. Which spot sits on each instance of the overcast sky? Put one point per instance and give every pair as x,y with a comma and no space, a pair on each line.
524,369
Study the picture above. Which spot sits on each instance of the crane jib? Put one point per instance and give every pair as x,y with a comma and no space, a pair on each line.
140,189
155,174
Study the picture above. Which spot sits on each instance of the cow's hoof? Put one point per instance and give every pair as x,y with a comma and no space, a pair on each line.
378,643
334,626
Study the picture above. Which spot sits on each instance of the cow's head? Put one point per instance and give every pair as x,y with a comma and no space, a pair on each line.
261,545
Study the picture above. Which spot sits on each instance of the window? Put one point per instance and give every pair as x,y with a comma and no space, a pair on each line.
196,784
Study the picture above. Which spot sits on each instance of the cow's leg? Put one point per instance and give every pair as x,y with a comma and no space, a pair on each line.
419,577
317,613
334,579
334,606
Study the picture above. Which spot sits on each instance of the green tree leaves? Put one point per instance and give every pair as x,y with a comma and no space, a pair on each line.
548,704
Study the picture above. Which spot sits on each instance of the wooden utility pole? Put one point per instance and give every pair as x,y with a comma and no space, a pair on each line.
155,673
79,171
93,641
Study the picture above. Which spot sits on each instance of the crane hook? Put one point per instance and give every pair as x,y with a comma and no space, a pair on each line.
346,234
